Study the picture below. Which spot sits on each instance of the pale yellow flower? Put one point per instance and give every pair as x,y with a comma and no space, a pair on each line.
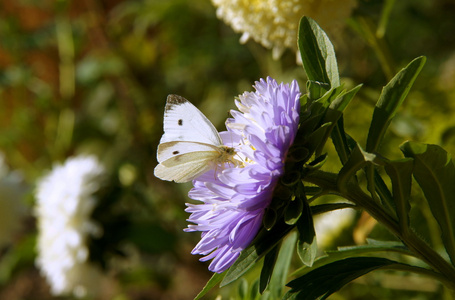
274,23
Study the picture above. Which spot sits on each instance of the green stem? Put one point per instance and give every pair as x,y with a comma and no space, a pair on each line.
367,29
418,270
328,182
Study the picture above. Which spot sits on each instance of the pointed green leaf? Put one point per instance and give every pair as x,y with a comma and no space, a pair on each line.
307,246
321,282
216,278
318,56
280,273
373,246
400,172
335,111
316,89
264,242
342,101
320,106
267,269
357,160
435,172
293,211
391,98
342,141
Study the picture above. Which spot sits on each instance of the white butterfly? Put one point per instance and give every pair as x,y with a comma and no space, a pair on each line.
190,145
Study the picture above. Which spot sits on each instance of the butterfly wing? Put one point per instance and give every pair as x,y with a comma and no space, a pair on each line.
186,167
172,149
184,122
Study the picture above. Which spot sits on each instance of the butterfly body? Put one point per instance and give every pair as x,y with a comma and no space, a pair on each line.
190,145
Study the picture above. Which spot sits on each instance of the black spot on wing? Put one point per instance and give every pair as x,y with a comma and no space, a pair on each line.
180,122
176,152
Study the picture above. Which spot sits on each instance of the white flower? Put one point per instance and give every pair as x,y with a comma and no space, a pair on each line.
65,201
274,23
12,208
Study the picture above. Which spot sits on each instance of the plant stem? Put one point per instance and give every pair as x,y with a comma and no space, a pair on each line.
353,192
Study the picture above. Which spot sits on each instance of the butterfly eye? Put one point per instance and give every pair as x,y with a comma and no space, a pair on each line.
180,122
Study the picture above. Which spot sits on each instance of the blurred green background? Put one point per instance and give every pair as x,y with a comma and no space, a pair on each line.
92,77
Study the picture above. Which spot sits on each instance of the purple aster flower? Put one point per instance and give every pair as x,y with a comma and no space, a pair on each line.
235,196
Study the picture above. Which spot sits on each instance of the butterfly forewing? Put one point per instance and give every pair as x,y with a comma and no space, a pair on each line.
184,122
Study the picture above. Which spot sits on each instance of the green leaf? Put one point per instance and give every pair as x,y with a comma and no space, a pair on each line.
373,246
400,173
320,106
316,138
263,243
335,111
341,141
216,278
435,172
391,98
316,89
280,273
267,269
293,211
318,56
356,161
269,219
343,100
307,246
322,282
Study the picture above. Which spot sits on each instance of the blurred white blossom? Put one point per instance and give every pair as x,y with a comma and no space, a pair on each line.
330,225
274,23
65,202
12,206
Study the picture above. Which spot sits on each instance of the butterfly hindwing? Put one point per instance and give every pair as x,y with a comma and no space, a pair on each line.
186,167
171,149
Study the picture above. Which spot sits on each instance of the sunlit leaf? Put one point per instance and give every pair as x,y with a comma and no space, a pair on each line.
317,53
392,96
